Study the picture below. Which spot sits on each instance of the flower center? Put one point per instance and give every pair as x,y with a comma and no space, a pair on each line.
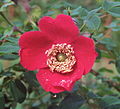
61,58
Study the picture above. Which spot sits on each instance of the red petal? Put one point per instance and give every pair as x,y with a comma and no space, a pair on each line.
33,46
85,52
34,39
32,59
44,77
60,29
56,82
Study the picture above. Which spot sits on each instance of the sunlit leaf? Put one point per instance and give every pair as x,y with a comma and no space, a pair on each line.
93,23
3,7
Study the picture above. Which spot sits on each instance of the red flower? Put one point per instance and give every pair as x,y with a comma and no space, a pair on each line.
58,51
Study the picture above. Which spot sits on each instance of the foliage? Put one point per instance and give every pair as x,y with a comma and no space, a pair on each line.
100,89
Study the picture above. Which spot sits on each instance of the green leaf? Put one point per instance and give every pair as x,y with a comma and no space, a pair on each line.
4,74
49,13
2,101
108,43
75,12
6,1
82,12
93,12
103,69
115,11
1,67
114,25
8,49
117,64
12,39
46,98
72,101
107,5
1,80
112,8
92,19
31,78
3,7
92,95
9,57
19,106
110,102
53,107
116,40
85,106
18,90
93,23
8,32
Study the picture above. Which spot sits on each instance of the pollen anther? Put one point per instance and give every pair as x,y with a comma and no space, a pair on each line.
61,58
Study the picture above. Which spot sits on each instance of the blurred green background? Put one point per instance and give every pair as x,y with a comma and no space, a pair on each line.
99,89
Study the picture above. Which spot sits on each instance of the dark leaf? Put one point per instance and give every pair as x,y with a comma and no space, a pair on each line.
92,95
18,90
117,64
31,78
1,67
9,57
110,102
6,74
99,53
8,49
2,104
53,107
105,70
72,101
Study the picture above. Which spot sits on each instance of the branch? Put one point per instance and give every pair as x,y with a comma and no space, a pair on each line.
11,24
6,19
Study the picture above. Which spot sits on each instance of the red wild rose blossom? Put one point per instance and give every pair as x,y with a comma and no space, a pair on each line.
58,51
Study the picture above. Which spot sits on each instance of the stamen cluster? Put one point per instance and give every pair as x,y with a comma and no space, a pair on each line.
56,65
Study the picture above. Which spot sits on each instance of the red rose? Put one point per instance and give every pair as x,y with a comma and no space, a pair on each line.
58,51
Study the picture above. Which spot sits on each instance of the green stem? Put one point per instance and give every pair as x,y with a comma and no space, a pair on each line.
6,19
69,11
82,26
